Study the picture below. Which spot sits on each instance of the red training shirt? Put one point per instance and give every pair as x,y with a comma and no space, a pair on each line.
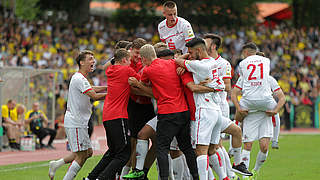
116,102
166,86
186,77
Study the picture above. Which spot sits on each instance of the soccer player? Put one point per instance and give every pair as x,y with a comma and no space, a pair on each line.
149,130
115,118
213,43
257,104
140,108
174,31
208,113
173,114
276,118
77,116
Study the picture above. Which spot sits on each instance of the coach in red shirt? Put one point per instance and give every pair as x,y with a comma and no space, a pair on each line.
173,114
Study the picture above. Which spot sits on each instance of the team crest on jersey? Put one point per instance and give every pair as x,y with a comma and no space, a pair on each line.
190,33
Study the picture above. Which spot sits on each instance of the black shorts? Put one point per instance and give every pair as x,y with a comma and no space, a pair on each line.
139,115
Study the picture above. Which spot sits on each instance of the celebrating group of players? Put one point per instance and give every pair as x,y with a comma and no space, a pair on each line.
175,94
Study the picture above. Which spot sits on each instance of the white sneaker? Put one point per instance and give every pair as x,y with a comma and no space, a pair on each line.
52,169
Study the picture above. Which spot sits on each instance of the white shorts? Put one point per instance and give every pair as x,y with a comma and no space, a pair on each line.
78,139
225,123
257,125
207,126
258,105
174,144
225,109
153,123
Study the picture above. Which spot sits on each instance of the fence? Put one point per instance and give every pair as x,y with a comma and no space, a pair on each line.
25,86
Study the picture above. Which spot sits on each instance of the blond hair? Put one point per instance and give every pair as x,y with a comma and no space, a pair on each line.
147,51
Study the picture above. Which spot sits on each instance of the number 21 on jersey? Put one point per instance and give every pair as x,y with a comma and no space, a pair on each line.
253,68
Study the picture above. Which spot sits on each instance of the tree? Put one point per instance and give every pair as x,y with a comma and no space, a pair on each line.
77,10
306,12
27,9
209,12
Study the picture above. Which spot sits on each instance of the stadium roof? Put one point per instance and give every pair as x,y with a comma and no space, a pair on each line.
266,10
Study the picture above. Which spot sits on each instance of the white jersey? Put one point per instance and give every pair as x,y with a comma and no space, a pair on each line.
177,35
274,86
224,72
202,70
78,105
255,71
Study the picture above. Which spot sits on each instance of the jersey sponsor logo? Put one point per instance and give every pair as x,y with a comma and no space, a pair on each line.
161,27
173,35
171,45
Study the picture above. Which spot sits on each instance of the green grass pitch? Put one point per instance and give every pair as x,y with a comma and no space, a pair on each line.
298,158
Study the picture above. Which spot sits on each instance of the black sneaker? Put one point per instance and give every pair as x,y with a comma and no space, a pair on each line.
241,169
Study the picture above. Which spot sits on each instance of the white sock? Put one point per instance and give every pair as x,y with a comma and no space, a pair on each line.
215,161
261,158
72,171
125,171
178,167
276,128
210,174
60,162
202,162
227,161
237,155
245,157
171,175
186,172
141,152
230,143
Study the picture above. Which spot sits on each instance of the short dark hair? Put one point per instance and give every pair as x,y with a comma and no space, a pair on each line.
164,53
169,4
250,45
123,44
195,41
120,54
216,39
261,54
138,43
82,56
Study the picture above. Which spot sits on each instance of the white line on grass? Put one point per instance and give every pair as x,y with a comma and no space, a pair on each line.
25,167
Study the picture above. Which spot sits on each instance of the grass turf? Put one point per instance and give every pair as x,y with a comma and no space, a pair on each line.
297,158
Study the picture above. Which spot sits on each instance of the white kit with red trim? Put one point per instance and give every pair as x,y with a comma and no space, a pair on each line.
78,105
255,71
177,35
201,70
224,72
